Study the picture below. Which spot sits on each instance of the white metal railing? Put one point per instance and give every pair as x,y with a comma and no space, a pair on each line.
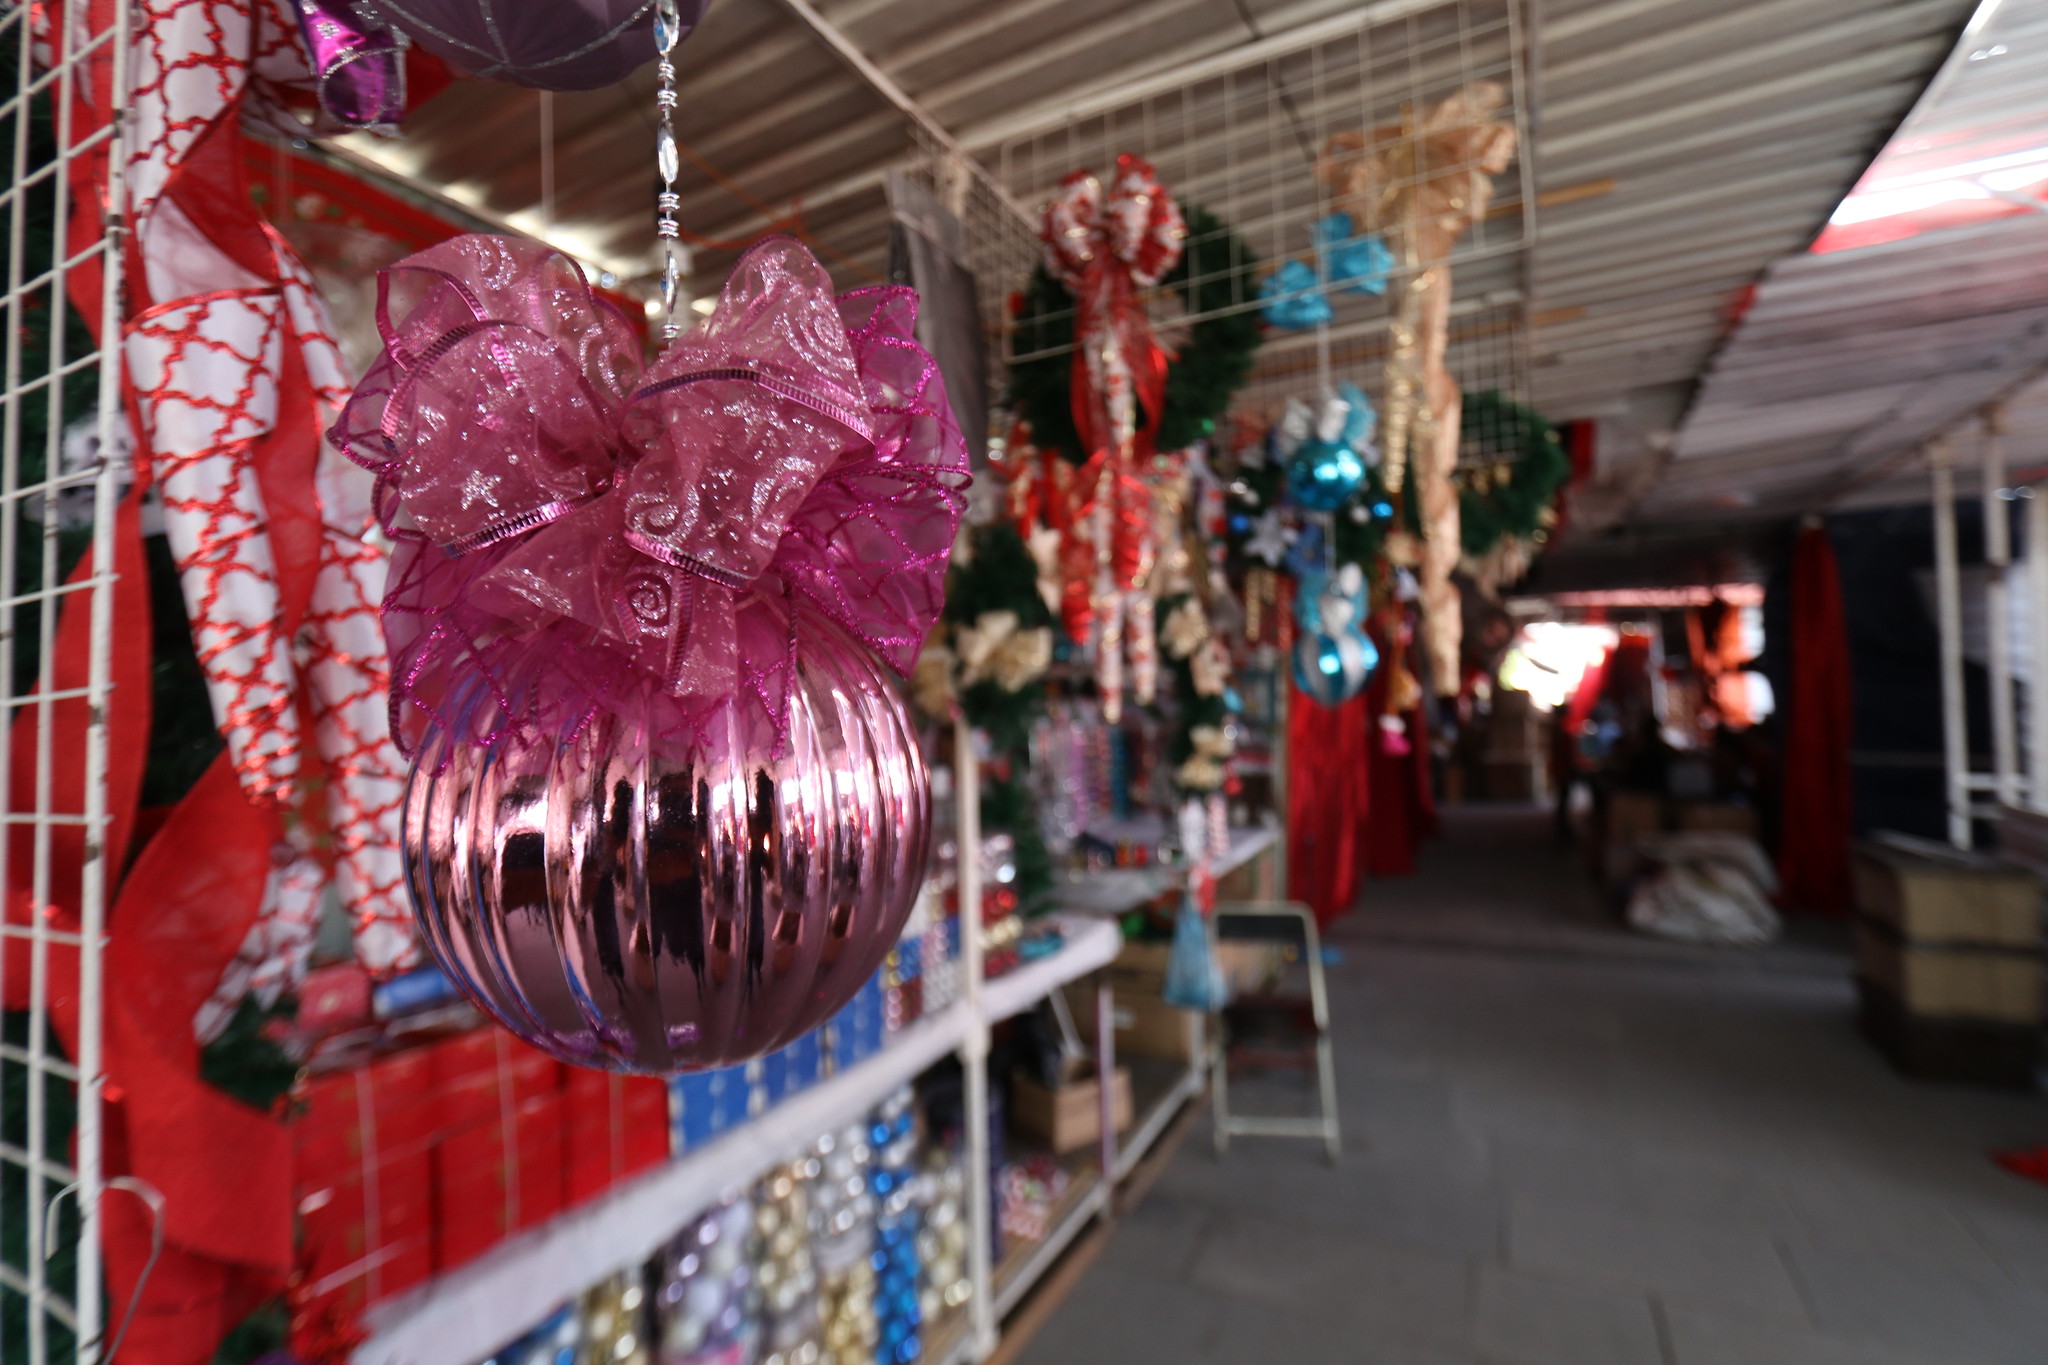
66,73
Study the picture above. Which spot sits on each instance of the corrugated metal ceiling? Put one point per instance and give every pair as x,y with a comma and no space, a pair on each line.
1682,146
1851,360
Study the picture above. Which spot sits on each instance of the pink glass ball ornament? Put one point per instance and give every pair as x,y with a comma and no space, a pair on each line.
666,809
637,903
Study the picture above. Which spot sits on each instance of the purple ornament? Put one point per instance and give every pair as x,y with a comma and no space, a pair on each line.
547,44
644,903
358,63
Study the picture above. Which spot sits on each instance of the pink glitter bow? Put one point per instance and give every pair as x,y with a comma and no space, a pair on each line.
572,533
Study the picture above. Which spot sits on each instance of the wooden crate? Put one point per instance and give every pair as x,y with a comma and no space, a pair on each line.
1950,981
1069,1118
1930,893
1968,1051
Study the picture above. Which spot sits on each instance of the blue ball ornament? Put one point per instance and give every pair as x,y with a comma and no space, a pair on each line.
1333,669
1324,474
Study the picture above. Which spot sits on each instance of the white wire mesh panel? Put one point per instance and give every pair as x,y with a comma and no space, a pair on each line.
59,400
1242,142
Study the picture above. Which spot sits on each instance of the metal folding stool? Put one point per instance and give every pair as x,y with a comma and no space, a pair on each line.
1246,1026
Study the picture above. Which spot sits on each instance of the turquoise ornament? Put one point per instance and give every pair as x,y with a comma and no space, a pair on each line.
1358,262
1294,298
1334,657
1324,474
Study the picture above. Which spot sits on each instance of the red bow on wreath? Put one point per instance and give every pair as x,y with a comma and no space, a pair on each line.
1104,248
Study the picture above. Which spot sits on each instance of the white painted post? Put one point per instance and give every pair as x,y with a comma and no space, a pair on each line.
974,1053
1998,609
1948,603
2036,587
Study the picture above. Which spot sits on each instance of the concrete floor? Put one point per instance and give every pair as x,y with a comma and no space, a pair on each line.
1569,1146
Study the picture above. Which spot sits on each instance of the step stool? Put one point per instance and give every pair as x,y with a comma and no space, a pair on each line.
1271,1029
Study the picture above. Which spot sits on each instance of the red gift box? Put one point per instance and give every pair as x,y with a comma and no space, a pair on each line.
380,1110
365,1237
492,1179
471,1211
332,999
646,1123
615,1126
361,1187
537,1129
478,1074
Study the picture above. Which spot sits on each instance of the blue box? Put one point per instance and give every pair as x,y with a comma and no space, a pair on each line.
793,1069
910,958
412,992
704,1104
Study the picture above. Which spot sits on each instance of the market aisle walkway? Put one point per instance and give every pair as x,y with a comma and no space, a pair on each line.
1567,1146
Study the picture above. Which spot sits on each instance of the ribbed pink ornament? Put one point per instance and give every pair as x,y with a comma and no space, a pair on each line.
665,811
645,902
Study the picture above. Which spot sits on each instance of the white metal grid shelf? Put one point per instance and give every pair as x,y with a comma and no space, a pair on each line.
462,1316
1240,136
1243,142
66,68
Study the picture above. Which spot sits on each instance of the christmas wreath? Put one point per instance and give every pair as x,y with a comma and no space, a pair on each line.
1217,272
1511,465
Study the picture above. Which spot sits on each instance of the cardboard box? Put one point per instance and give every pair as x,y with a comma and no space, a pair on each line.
1140,969
1069,1118
1146,1026
1947,981
1931,893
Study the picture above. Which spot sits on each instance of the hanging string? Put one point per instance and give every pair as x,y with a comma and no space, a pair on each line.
668,162
547,165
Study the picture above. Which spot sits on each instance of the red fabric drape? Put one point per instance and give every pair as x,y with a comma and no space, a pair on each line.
1813,853
1328,800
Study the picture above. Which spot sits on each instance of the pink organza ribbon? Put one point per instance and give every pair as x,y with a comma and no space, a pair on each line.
573,533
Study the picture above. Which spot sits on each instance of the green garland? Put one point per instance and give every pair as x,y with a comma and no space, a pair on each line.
999,574
1500,432
1190,708
1217,271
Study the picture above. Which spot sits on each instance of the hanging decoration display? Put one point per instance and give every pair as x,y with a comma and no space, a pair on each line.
617,591
546,44
1103,247
1102,398
1511,467
1333,656
1421,185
